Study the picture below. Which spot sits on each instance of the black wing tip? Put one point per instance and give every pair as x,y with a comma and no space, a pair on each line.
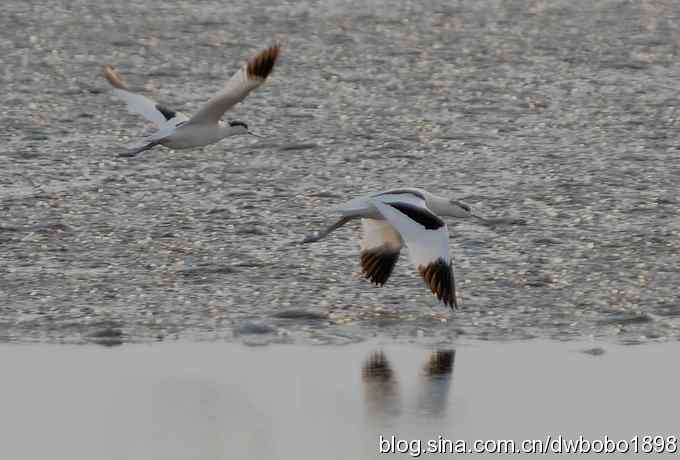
378,263
439,278
113,77
262,64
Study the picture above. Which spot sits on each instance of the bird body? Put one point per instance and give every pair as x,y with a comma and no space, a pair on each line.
186,135
404,217
178,131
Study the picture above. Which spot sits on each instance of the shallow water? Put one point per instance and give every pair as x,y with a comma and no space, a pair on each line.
225,401
560,113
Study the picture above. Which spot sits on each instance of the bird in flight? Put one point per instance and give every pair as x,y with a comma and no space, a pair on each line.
176,130
404,217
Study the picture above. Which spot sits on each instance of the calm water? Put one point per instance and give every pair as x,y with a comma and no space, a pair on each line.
222,401
564,114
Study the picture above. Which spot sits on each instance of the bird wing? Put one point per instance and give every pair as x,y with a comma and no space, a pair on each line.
142,105
380,248
362,206
410,196
427,238
249,77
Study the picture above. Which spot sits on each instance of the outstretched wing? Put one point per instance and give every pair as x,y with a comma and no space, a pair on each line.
249,77
142,105
380,248
410,196
427,238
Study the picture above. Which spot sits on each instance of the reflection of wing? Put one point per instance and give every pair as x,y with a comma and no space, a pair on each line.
438,371
440,364
380,387
249,77
377,368
380,248
427,239
142,105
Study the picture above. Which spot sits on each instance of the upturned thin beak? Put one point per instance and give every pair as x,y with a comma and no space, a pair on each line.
256,135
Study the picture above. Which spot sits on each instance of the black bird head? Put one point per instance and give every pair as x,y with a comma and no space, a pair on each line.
461,205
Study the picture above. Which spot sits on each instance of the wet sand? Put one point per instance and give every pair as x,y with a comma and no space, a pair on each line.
228,401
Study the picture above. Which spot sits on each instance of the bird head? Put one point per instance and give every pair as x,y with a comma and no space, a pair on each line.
241,127
455,208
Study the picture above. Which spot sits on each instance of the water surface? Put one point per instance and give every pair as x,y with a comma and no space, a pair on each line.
225,401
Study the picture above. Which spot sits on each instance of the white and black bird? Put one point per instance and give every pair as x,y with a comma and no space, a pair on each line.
404,217
178,131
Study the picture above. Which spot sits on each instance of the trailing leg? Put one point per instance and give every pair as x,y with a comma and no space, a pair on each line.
137,151
316,236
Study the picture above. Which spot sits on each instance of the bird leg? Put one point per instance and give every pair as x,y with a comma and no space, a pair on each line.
494,221
316,236
483,220
135,152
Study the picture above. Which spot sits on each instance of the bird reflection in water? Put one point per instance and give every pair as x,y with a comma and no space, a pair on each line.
381,389
436,379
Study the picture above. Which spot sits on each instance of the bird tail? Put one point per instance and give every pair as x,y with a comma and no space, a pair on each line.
136,151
